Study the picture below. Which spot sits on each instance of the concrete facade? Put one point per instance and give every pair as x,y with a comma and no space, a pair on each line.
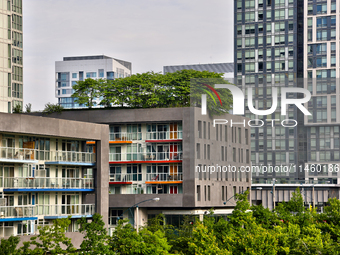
48,172
171,145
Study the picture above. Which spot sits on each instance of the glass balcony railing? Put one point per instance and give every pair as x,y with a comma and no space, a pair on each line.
123,136
164,177
17,153
164,135
72,156
145,156
122,177
60,210
18,211
47,183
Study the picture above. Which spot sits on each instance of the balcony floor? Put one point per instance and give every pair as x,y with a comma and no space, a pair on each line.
47,189
66,216
17,219
20,161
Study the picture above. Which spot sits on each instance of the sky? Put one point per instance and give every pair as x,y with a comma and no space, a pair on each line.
148,33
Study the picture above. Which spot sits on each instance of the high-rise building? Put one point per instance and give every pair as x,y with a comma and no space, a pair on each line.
276,43
11,55
73,69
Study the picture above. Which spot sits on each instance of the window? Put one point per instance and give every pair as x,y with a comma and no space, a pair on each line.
198,192
101,73
74,75
199,129
208,193
223,193
208,151
91,75
198,150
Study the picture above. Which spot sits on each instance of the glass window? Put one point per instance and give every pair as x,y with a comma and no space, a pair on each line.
74,75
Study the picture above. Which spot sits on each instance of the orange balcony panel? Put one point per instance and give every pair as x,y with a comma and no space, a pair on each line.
90,142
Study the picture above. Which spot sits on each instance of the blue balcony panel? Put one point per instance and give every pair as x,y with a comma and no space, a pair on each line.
17,219
41,190
69,163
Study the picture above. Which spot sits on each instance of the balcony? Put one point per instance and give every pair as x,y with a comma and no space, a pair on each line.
47,184
122,178
60,211
123,137
19,155
72,158
163,136
163,177
16,212
146,157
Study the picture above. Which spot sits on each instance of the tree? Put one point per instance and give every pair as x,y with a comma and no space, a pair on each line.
51,239
95,239
52,108
17,108
9,246
86,91
28,107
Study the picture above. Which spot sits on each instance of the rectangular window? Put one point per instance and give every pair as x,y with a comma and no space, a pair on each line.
74,75
199,129
101,73
222,153
216,132
208,193
198,192
91,75
208,151
204,130
222,193
198,150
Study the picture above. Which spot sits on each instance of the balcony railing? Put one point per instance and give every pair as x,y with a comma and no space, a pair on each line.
60,210
164,135
17,153
73,156
122,177
123,136
145,156
164,177
17,211
48,183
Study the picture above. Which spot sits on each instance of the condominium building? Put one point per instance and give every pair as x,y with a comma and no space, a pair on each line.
276,43
174,155
11,55
48,172
73,69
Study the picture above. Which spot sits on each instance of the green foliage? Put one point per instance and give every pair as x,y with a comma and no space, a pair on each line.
51,239
28,107
9,246
125,240
17,108
96,238
86,91
52,108
153,90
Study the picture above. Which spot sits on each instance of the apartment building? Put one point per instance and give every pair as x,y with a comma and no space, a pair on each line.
276,43
48,172
73,69
161,160
11,55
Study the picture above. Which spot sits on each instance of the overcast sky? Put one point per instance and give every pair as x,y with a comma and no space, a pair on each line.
148,33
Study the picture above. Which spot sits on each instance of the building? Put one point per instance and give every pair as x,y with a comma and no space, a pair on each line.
48,172
11,55
226,68
166,154
73,69
276,43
